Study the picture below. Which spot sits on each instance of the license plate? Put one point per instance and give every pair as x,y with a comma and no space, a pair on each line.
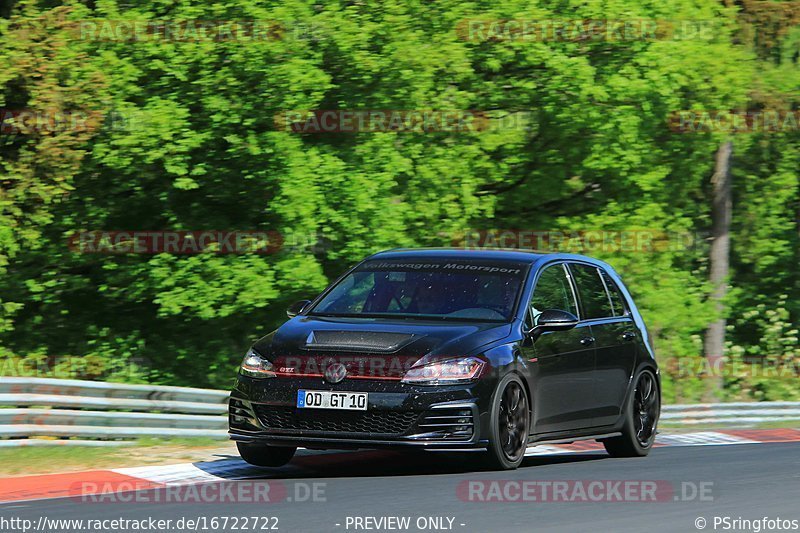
317,399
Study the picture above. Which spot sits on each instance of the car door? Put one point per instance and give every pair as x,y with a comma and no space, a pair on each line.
562,362
614,331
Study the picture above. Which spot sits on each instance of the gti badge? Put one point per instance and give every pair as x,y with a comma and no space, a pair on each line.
335,373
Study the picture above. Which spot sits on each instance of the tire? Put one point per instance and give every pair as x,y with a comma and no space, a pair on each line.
508,429
641,419
261,455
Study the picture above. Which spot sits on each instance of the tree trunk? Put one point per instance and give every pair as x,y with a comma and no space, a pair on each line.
719,263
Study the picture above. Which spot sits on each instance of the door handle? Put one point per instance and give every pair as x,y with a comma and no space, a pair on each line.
586,341
628,336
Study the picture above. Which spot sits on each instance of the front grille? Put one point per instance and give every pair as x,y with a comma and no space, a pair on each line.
370,422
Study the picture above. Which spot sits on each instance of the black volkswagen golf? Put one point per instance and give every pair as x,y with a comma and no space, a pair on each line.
491,351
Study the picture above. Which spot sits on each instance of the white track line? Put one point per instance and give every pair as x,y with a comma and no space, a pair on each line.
702,438
234,468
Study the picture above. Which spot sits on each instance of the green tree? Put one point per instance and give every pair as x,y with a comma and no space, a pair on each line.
189,142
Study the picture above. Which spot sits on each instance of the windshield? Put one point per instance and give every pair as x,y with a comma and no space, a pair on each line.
457,290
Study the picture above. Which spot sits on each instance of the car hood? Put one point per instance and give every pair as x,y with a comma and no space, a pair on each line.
306,345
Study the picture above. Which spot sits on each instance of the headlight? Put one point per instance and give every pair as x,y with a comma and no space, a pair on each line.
446,372
255,366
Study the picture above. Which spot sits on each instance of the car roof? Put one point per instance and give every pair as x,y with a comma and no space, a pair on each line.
496,254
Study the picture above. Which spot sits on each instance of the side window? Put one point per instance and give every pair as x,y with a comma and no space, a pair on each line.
553,291
617,300
592,291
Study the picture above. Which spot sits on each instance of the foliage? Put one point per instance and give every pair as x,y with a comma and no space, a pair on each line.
188,142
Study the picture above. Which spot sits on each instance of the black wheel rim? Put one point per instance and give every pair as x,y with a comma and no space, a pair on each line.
645,409
513,421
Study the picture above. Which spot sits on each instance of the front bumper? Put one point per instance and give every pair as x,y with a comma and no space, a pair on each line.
398,415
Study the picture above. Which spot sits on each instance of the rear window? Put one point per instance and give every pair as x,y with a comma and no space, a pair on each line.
614,294
439,289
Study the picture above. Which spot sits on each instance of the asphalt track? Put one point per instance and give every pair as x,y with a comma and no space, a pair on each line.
749,481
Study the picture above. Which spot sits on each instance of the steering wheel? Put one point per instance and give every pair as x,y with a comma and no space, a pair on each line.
398,302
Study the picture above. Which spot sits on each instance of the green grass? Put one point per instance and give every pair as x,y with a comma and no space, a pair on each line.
682,428
179,441
30,460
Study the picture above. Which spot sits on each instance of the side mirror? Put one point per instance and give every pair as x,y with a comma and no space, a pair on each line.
297,308
553,320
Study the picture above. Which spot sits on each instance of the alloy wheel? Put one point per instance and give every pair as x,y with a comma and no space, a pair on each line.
645,408
513,421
